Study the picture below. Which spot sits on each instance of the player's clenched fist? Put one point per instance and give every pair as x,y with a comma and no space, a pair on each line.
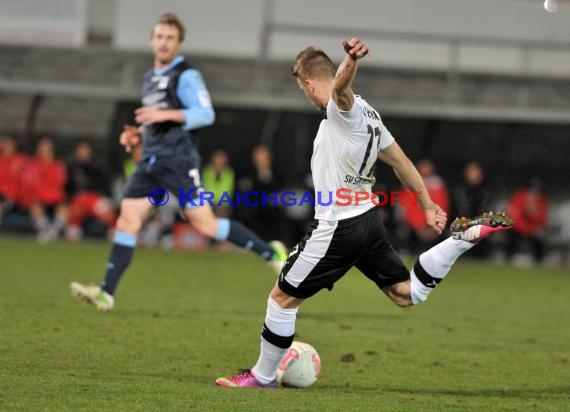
355,48
436,218
129,137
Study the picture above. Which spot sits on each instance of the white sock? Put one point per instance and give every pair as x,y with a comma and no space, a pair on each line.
433,265
41,224
276,338
58,224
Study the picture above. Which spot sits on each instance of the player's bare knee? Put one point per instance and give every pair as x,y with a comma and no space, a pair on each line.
205,228
128,223
403,298
400,294
402,302
284,300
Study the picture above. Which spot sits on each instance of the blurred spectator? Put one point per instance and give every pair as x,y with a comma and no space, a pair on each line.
266,219
43,190
12,165
88,189
219,178
128,168
130,164
422,235
471,197
529,207
564,218
386,212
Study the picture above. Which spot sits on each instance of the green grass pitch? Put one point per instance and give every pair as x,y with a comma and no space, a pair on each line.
490,338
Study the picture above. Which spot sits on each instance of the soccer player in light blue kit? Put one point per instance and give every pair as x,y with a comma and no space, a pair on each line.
175,102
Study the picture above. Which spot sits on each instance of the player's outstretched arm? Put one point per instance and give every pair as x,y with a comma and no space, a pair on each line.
342,93
407,173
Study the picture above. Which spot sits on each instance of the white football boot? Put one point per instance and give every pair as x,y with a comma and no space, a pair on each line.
94,295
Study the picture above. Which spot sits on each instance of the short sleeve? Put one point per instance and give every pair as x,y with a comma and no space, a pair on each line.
352,117
386,138
192,93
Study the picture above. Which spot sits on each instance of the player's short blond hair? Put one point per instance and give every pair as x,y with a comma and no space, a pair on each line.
313,63
171,19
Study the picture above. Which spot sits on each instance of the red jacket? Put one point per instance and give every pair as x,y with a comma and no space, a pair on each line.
530,211
414,215
11,168
43,182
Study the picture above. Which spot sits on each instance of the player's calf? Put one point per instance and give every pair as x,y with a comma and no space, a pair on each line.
400,294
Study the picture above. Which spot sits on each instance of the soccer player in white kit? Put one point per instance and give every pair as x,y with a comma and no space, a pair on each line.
349,233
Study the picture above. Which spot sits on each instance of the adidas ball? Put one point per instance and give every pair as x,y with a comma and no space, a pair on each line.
300,367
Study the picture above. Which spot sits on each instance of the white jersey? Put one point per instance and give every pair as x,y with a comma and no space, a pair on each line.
344,154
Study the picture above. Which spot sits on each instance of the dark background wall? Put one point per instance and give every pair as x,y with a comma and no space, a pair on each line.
510,152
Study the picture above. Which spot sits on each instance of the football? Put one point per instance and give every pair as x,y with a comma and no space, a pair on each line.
300,367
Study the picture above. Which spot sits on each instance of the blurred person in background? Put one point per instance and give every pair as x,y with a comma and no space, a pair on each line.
12,165
266,218
43,191
470,197
564,230
422,234
131,163
88,189
128,168
175,102
529,208
219,178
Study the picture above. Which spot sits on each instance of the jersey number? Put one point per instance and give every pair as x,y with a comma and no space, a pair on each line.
373,133
195,175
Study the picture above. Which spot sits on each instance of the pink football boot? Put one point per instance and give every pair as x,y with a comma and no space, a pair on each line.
244,379
480,227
